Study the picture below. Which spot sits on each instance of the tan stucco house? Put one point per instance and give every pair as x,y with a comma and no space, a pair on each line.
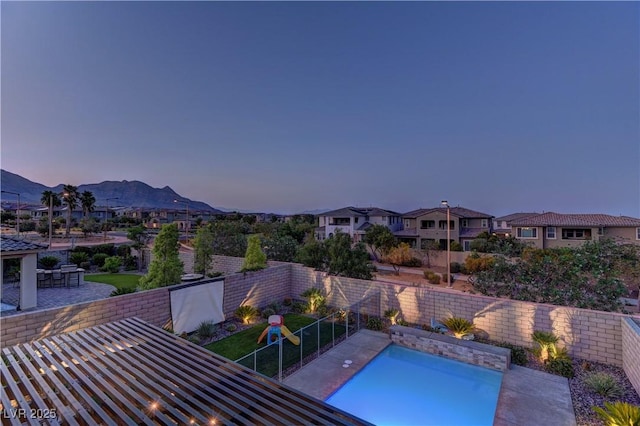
355,221
548,230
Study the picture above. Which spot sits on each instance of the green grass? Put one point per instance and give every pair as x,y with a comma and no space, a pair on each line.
245,342
116,280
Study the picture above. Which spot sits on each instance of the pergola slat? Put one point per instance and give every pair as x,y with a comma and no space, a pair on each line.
114,373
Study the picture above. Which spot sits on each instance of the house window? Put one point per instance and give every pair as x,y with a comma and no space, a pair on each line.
427,224
637,233
356,220
527,232
464,223
551,232
576,234
443,224
467,245
484,223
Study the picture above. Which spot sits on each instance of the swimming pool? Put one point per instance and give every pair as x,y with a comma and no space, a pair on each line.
402,386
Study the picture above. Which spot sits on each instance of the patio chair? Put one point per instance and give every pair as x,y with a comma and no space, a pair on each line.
57,279
44,280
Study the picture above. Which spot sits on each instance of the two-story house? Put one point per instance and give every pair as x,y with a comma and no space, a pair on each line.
548,230
355,221
424,226
502,225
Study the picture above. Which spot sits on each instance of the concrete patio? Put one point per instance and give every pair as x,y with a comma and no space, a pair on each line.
57,296
524,391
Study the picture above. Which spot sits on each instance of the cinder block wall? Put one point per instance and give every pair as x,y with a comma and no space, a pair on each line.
631,351
152,306
591,335
257,289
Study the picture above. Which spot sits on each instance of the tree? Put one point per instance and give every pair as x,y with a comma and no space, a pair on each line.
89,226
380,240
398,256
254,259
88,202
51,200
140,238
70,199
166,266
345,260
313,254
281,247
203,250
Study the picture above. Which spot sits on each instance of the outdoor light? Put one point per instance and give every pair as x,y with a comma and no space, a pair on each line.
446,204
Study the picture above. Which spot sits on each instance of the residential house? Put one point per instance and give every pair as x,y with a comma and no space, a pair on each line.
424,226
549,230
355,221
502,225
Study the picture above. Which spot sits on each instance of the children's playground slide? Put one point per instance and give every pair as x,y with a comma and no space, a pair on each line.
277,328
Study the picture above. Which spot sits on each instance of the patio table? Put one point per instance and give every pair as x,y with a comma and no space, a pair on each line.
66,274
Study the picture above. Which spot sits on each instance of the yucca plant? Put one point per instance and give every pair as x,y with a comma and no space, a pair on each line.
619,414
246,313
392,315
314,297
206,330
546,342
604,384
459,326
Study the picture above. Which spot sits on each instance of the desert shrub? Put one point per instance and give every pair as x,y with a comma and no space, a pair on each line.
403,323
299,308
604,384
130,263
414,262
214,274
475,263
267,312
432,277
121,291
459,326
560,366
246,313
123,250
78,257
545,347
287,301
112,264
618,414
456,246
85,265
206,330
444,278
463,269
231,327
375,323
98,259
392,315
455,267
314,297
108,249
50,262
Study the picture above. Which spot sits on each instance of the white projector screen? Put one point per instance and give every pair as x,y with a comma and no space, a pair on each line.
194,303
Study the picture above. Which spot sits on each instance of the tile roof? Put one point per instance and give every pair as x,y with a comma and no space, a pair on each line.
359,211
590,220
9,244
515,216
460,212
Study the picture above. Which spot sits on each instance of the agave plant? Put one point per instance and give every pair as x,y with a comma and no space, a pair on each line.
246,313
459,326
604,384
619,414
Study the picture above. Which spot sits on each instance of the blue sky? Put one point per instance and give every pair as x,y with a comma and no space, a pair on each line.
499,107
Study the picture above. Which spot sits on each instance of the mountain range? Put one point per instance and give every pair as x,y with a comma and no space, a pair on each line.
122,194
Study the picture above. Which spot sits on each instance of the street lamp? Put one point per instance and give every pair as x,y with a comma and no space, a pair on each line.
18,210
186,203
106,214
446,204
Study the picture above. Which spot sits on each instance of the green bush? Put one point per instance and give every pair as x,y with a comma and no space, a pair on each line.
124,250
604,384
246,313
545,344
299,308
206,330
130,263
455,267
392,315
267,312
475,263
98,259
122,290
403,323
414,262
231,327
85,265
214,274
314,297
432,277
619,414
108,249
112,264
78,257
560,366
375,323
48,262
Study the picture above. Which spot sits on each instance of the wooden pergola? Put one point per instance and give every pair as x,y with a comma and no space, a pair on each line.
131,372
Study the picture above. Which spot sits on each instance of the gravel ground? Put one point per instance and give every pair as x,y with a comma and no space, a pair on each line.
583,398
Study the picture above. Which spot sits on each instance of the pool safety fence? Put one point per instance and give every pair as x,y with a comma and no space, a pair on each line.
282,357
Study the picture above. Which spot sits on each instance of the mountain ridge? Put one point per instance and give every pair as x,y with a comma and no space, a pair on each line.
135,194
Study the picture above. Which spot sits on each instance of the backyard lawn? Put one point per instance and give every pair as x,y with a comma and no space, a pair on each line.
245,342
116,280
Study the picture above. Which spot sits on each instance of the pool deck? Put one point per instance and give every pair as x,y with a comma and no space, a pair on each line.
524,391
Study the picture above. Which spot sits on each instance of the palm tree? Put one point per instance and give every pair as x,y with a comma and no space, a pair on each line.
70,199
88,202
51,200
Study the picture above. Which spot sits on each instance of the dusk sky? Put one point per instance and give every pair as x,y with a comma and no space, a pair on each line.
499,107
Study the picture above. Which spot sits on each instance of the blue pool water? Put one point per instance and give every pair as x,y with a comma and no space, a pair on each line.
402,386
